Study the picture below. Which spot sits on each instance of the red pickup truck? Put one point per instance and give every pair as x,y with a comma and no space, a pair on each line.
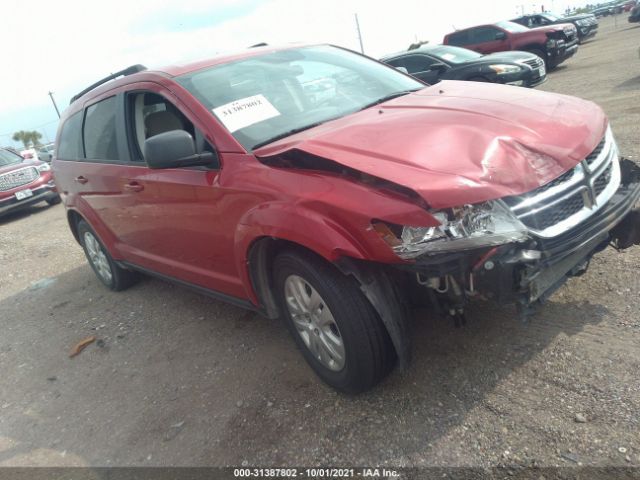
553,43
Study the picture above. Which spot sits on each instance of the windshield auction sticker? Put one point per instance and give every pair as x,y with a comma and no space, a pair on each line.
244,112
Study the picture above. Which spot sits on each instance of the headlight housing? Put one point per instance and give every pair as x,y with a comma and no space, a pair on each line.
553,43
503,69
44,167
463,228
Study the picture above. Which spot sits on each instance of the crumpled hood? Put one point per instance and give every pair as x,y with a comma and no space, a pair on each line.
459,142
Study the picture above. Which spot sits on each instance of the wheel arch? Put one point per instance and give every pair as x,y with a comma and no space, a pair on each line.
73,217
375,281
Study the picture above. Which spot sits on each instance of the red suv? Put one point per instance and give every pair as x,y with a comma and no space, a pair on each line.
317,185
24,182
553,43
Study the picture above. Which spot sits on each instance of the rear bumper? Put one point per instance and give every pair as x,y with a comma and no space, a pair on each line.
41,193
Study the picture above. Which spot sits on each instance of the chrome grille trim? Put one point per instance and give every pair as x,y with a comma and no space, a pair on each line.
17,178
563,203
534,63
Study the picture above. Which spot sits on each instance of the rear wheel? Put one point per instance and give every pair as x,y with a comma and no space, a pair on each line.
334,325
114,277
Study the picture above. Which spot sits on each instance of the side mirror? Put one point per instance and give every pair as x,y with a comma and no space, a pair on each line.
438,67
403,70
174,149
501,35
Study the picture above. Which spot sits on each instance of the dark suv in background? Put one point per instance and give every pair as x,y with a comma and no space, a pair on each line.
553,43
586,24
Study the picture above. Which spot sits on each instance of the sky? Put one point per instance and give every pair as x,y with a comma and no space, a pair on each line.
63,46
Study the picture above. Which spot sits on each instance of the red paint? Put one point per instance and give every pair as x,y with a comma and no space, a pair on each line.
43,179
453,143
532,38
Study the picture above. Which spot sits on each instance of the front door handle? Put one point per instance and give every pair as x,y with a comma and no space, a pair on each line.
133,187
81,180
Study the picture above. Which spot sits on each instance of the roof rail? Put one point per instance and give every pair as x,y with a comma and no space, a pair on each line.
122,73
261,44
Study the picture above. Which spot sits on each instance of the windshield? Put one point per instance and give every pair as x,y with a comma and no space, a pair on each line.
454,54
267,97
512,27
9,158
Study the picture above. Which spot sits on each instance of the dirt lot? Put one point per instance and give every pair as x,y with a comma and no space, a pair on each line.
180,379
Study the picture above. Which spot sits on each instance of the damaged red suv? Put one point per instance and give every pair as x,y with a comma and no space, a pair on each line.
317,185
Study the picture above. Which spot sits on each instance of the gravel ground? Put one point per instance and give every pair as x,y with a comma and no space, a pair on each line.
180,379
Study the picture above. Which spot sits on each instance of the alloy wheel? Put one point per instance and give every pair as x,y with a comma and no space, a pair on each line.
314,322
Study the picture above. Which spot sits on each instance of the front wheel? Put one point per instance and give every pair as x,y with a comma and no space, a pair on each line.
334,325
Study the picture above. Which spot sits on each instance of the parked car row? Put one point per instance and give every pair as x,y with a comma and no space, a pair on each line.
317,185
518,52
613,8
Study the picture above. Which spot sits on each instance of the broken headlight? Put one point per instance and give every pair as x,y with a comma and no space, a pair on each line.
463,228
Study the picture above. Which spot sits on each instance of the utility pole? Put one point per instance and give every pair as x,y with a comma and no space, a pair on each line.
54,104
359,34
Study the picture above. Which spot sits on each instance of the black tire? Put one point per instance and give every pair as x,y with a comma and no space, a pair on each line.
55,200
120,278
368,352
543,56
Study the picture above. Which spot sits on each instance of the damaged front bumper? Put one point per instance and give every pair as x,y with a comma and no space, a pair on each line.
527,273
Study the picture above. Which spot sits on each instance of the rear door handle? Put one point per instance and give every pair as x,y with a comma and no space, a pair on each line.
81,180
133,187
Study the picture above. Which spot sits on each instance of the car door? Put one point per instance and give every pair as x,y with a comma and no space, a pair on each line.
488,39
180,229
420,66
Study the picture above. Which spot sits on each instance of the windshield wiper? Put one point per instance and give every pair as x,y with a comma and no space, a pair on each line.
307,127
391,96
292,131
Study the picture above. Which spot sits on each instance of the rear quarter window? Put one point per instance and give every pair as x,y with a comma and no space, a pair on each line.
70,142
100,140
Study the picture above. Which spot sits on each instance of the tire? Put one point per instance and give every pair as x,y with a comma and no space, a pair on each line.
54,201
110,274
542,55
339,314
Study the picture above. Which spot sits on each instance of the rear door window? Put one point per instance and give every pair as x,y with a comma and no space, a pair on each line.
100,140
70,144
